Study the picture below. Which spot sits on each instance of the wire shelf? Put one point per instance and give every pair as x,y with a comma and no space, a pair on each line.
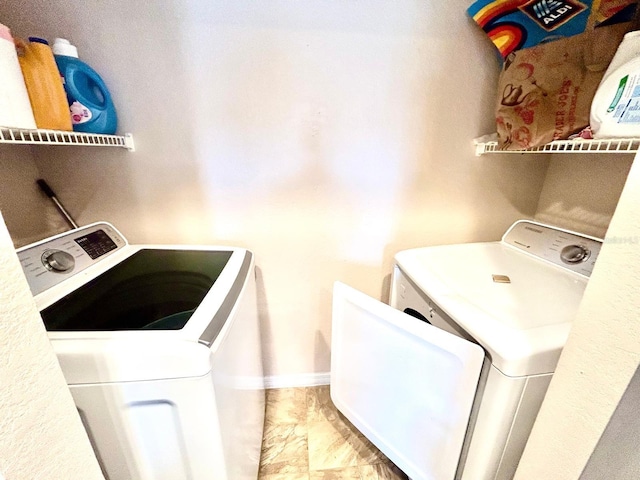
618,145
59,137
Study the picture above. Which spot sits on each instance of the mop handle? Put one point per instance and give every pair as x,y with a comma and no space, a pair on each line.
49,193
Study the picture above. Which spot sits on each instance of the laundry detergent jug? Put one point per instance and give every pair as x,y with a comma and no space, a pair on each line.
615,110
42,80
90,104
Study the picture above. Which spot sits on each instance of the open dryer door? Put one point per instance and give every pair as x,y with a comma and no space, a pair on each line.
406,385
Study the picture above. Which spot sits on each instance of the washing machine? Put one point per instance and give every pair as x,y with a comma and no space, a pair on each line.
448,379
160,347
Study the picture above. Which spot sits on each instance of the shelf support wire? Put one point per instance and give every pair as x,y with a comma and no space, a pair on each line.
57,137
622,145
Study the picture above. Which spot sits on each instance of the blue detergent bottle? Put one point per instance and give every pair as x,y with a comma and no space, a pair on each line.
90,104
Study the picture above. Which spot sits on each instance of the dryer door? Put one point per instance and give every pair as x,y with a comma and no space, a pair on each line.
406,385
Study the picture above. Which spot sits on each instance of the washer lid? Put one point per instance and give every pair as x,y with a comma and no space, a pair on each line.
518,307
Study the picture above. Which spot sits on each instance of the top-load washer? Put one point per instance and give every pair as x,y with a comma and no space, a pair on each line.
160,347
448,380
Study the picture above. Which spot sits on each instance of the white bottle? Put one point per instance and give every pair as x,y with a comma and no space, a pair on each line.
15,108
615,110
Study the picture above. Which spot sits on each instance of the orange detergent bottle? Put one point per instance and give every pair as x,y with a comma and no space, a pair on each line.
44,84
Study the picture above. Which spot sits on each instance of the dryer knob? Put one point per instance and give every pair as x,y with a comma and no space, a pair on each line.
574,254
58,261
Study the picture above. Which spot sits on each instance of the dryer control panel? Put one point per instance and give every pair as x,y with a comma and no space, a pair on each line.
53,260
571,250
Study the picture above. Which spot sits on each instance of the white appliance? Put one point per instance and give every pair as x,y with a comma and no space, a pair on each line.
448,380
160,347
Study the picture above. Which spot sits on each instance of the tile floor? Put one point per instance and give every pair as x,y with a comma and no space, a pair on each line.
306,438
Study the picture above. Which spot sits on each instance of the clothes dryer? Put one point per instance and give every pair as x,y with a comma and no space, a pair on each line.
447,381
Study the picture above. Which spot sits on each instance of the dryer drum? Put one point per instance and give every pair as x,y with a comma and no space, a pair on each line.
416,314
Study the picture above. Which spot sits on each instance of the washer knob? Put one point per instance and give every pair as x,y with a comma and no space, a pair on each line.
572,254
58,261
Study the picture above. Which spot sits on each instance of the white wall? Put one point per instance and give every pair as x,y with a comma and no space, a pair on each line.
581,191
323,135
42,437
600,357
616,456
27,212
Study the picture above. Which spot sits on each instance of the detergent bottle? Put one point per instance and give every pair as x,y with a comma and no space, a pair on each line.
44,87
15,108
89,101
615,110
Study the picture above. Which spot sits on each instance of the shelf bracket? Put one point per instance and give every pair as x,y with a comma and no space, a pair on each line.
128,142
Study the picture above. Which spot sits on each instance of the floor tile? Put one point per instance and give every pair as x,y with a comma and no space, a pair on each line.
382,471
330,447
351,473
319,404
286,405
306,438
284,450
285,476
338,444
367,452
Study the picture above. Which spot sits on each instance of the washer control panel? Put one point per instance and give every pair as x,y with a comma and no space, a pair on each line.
570,250
51,261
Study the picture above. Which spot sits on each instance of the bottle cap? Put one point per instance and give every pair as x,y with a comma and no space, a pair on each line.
62,46
5,33
38,40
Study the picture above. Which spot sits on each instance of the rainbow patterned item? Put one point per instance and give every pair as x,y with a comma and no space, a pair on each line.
515,24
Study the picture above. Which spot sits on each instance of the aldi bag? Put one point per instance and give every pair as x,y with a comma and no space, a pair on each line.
518,24
545,92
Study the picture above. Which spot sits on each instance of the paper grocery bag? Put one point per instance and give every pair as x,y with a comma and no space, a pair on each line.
545,92
608,11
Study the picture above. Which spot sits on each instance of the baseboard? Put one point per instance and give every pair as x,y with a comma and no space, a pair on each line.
299,380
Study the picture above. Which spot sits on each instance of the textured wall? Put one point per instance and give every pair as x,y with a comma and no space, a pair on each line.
600,357
28,213
616,456
325,135
581,191
41,436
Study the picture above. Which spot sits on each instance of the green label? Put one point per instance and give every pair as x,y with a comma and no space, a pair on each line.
616,99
